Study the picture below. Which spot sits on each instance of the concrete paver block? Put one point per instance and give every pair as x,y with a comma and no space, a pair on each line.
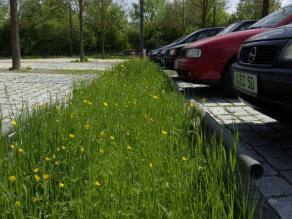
274,186
283,206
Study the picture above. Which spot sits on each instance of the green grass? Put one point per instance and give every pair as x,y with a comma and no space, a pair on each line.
122,148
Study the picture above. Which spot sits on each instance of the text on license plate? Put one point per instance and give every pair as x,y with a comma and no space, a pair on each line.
246,82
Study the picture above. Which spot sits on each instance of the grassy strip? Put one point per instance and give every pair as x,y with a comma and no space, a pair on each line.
122,148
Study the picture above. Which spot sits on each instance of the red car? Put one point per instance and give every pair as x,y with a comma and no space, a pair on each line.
209,60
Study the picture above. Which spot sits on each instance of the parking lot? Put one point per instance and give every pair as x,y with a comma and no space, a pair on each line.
25,89
265,139
63,63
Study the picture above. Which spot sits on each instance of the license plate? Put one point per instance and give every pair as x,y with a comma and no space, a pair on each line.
176,64
246,82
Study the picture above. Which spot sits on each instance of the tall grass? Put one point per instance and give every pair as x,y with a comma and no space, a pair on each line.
122,148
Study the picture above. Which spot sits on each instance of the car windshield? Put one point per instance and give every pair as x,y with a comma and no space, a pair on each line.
273,19
229,29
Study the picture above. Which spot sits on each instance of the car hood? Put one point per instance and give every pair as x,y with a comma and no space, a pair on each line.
275,34
226,38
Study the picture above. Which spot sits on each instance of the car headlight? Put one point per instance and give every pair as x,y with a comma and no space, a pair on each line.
193,53
172,52
286,54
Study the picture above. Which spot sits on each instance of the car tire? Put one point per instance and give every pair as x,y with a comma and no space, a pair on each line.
226,80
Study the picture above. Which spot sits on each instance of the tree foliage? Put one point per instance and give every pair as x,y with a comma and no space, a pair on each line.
45,25
250,9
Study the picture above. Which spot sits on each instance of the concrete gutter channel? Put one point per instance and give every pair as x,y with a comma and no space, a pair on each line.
264,146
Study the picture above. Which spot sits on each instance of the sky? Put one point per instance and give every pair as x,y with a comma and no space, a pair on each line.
231,4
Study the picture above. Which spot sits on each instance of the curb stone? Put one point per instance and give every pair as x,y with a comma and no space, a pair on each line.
265,208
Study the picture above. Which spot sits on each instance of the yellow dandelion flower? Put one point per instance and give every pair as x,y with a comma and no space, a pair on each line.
12,146
82,149
12,178
87,126
20,150
97,183
47,158
17,204
112,138
71,135
150,164
85,101
129,147
61,185
163,132
184,158
46,176
105,104
36,170
101,133
35,199
37,177
192,104
13,122
155,97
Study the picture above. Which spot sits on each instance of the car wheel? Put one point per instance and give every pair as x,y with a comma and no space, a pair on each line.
226,80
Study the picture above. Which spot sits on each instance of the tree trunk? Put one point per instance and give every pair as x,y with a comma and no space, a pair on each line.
204,13
266,8
203,21
70,29
214,13
81,8
183,17
103,29
15,45
141,27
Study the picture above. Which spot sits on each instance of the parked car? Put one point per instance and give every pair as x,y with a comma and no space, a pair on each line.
173,52
209,61
262,76
154,54
169,52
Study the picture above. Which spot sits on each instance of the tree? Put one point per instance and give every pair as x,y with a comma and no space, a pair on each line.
266,7
70,26
15,44
104,5
205,7
80,9
250,9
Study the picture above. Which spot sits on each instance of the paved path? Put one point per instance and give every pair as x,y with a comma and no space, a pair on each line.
19,90
63,63
267,140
